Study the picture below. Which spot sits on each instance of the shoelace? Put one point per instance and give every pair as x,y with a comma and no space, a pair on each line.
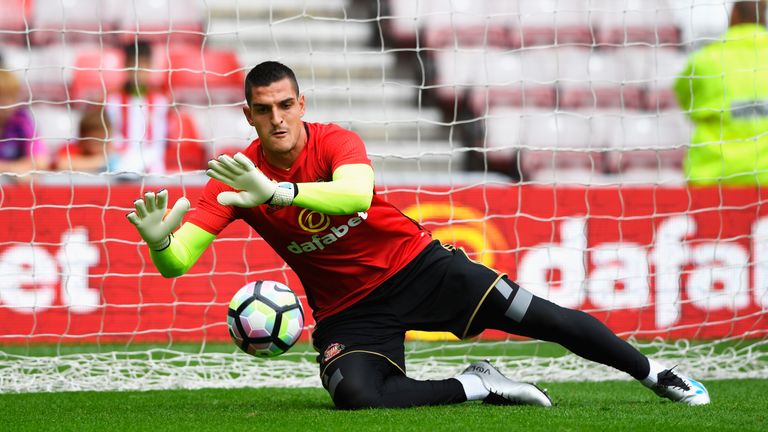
668,378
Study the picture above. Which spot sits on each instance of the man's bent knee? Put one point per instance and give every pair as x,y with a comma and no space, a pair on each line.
351,395
349,391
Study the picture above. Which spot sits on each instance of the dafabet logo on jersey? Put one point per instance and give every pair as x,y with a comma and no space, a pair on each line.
314,222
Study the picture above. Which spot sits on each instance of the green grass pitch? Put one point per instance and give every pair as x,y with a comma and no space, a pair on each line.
737,405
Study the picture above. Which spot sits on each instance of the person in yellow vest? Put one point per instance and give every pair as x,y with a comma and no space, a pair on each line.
724,88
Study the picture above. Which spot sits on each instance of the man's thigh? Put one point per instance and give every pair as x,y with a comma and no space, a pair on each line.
452,289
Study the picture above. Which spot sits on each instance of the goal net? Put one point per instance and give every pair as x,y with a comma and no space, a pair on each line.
542,136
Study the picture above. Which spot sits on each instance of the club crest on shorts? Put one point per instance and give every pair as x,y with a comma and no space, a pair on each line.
332,351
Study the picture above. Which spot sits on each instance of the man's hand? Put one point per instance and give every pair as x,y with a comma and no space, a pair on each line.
150,220
241,174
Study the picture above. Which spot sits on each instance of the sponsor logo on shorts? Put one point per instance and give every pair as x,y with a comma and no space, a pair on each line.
332,351
320,242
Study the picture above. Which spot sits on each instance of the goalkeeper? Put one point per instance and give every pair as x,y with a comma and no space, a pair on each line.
370,272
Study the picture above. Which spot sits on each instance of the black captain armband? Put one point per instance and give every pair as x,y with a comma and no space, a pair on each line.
284,194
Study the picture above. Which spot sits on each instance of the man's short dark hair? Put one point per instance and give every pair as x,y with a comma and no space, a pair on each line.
265,74
93,119
137,50
751,11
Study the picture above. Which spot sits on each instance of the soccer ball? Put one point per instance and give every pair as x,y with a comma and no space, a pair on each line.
265,318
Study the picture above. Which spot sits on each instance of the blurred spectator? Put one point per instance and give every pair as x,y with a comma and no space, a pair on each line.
725,90
92,152
185,151
139,116
20,150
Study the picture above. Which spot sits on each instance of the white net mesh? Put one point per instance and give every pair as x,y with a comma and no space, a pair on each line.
544,137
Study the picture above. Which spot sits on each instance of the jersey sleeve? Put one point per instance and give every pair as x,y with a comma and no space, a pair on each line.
345,147
209,214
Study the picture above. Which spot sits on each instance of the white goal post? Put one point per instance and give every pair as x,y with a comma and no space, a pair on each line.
542,136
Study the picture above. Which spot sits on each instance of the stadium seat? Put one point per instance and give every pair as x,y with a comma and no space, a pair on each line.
78,21
442,23
649,147
55,124
204,76
633,21
503,134
221,129
539,75
453,73
102,70
12,21
603,78
663,67
575,77
700,22
465,23
165,22
549,22
559,146
381,122
520,78
43,71
396,158
99,71
401,23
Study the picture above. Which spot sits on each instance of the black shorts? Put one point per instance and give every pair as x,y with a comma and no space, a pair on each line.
440,290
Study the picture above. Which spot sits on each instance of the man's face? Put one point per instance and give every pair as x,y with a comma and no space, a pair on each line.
6,108
139,71
143,72
93,142
276,111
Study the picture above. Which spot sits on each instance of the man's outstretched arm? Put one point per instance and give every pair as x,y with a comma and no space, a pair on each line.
172,253
350,191
185,248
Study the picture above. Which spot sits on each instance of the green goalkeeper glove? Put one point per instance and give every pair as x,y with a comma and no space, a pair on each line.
151,221
254,187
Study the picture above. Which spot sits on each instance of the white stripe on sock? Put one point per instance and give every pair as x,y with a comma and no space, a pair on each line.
473,386
653,376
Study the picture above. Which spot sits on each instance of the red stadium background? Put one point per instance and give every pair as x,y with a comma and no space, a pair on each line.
691,263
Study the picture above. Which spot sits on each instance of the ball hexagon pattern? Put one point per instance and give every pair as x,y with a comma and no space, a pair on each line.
265,318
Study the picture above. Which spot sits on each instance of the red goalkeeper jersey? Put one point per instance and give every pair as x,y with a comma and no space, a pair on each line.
339,259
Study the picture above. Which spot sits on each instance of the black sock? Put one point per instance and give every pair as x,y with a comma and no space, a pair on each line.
575,330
